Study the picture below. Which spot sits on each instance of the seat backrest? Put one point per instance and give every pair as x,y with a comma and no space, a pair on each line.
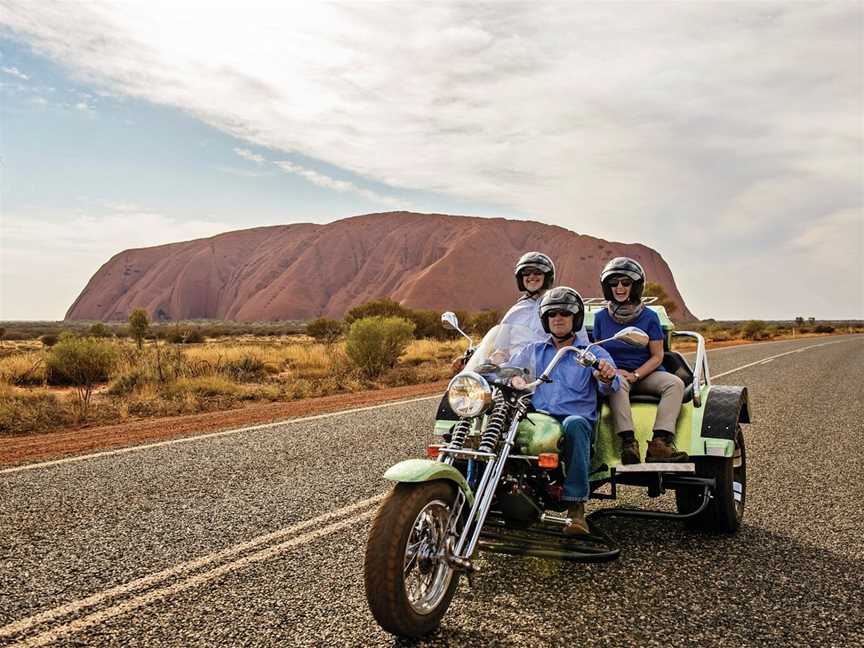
674,363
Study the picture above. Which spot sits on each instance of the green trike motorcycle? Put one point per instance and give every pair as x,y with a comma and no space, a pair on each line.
493,480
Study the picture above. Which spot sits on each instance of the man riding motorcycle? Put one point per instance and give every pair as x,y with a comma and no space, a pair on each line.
571,395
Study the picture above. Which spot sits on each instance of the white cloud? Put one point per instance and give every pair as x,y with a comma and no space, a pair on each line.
246,154
340,185
245,173
83,107
16,73
711,131
70,249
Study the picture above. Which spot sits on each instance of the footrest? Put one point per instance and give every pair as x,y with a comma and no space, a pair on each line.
656,467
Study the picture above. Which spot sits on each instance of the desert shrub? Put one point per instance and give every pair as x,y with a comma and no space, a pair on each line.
99,330
178,335
823,328
324,330
374,344
23,369
246,368
139,325
384,307
28,411
127,383
483,321
753,329
49,340
82,362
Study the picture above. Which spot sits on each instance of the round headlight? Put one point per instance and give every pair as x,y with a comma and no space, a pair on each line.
469,394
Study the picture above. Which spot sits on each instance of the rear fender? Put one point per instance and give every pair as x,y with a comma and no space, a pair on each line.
423,470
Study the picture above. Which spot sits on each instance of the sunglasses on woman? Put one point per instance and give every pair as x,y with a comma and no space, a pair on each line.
624,282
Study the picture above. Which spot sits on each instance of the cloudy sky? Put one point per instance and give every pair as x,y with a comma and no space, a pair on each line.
727,136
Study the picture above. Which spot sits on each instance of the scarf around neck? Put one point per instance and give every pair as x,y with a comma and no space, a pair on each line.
624,313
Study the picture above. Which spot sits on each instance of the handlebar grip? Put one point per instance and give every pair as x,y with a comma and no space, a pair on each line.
595,364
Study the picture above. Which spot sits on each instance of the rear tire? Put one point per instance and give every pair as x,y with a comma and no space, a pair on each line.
408,589
726,508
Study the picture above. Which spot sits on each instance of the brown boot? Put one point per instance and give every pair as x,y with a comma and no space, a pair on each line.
629,450
663,450
578,525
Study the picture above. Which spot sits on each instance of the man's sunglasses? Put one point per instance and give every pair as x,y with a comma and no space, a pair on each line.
624,282
560,313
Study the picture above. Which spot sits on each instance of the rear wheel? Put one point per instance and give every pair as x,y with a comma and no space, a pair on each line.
408,584
726,508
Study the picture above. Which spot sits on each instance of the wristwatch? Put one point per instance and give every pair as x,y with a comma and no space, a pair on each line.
636,373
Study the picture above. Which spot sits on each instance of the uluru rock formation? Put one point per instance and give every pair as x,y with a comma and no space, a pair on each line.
306,270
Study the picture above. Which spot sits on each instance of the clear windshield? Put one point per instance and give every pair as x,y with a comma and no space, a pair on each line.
500,346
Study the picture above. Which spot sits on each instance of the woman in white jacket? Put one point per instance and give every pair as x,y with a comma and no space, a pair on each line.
535,274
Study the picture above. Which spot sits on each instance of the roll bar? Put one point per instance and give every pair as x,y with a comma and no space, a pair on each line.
701,375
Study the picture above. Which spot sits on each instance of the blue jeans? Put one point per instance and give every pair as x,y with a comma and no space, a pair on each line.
579,433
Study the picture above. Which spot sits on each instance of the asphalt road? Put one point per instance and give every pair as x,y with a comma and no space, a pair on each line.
257,538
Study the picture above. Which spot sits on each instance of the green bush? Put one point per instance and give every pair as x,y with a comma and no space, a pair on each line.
374,344
325,330
127,383
49,340
483,321
384,307
823,328
139,325
99,330
82,362
753,329
177,335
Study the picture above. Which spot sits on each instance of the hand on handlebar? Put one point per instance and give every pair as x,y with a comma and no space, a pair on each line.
604,372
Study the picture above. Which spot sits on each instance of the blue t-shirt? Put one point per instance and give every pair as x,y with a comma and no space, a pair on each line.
626,356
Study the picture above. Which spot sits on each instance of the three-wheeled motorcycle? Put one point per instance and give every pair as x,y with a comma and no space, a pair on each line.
492,480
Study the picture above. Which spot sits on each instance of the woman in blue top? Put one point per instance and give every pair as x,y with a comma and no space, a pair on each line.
640,368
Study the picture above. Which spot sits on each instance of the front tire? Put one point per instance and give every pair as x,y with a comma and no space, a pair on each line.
408,586
726,508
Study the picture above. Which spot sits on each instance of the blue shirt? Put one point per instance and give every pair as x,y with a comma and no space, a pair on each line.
626,356
526,312
573,390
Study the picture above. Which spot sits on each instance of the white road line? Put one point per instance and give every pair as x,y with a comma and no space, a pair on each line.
212,435
192,565
145,599
770,358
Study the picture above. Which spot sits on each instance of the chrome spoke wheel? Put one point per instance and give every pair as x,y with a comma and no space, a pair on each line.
426,574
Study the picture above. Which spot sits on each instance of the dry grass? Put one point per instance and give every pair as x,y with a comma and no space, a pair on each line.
423,351
23,410
23,368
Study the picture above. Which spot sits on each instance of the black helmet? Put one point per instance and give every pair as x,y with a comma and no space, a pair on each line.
535,260
626,267
562,298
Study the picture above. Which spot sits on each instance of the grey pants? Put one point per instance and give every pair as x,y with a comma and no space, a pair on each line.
667,386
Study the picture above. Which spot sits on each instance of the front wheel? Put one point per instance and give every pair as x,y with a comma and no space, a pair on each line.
726,508
408,584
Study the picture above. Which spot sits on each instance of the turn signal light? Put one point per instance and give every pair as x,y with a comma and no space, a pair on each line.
432,451
547,460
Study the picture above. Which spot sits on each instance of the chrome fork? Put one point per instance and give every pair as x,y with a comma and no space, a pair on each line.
483,501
